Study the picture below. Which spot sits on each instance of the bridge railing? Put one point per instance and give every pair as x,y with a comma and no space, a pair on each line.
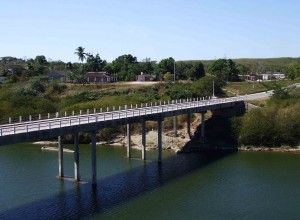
58,122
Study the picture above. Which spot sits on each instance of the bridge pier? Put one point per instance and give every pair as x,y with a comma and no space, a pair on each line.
159,139
202,126
175,126
94,158
189,124
128,141
60,158
143,139
76,158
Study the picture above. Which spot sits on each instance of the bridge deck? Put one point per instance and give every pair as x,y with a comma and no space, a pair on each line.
48,128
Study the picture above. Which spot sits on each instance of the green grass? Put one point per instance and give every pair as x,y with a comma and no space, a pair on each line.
268,64
243,88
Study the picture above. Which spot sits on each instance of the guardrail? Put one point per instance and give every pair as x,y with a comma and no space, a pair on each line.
59,122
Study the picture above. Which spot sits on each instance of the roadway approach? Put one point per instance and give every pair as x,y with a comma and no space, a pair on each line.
49,128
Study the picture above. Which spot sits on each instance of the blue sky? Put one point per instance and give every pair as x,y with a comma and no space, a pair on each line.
184,30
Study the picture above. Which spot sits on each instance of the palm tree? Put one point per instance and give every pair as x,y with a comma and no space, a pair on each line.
80,53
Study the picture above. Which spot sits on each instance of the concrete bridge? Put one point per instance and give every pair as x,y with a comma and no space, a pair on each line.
13,133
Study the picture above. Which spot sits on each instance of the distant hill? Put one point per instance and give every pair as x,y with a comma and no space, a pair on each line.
254,64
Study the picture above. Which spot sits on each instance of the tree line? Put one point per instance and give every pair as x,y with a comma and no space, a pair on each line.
126,67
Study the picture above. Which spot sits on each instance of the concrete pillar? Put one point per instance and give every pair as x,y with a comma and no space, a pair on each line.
159,138
94,159
60,158
128,141
189,124
144,139
202,125
76,157
175,125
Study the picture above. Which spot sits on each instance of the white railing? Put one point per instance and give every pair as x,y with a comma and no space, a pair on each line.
52,123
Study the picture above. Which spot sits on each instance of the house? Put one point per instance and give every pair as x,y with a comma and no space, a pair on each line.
266,76
251,78
279,75
99,77
145,77
59,76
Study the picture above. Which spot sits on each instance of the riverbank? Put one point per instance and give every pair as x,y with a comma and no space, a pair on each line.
176,144
283,149
169,141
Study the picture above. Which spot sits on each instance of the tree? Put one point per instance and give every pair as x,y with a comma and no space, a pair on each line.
41,60
204,86
95,63
166,65
225,69
168,76
125,67
80,53
293,71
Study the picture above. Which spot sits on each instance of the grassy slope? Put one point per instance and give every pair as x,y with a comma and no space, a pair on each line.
271,64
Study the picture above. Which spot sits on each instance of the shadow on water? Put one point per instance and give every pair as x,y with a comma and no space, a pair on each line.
85,200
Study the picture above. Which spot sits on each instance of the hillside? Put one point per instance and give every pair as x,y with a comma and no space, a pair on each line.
267,64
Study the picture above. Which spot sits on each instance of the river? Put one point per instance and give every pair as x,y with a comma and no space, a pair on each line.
242,185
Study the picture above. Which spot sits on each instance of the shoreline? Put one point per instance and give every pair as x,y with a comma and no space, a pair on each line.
176,144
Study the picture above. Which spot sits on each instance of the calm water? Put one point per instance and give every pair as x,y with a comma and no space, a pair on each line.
188,186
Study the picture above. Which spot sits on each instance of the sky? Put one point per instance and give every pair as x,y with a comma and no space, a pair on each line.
184,30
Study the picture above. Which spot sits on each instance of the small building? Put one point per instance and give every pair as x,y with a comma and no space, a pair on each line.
58,76
266,76
145,77
251,78
99,77
279,75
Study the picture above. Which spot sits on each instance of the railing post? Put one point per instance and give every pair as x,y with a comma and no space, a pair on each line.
80,112
14,129
65,113
40,116
73,112
9,120
20,119
88,111
30,117
27,128
0,131
94,110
